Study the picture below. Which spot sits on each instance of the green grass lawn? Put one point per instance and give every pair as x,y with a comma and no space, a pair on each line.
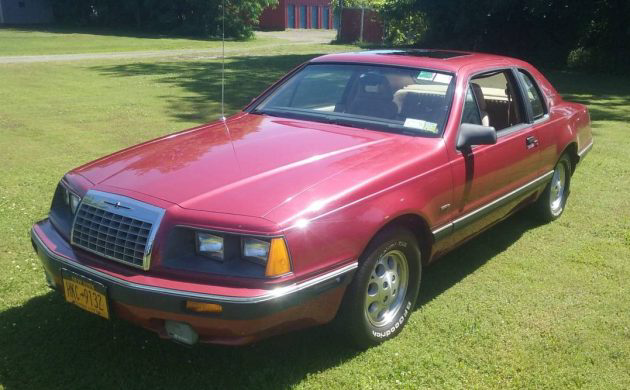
523,305
15,41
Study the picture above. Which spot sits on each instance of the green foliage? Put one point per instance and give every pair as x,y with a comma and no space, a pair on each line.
374,4
585,33
184,17
403,27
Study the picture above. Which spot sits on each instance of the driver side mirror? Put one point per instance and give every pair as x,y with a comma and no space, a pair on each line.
470,135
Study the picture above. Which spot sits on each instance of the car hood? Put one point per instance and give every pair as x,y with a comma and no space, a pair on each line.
261,162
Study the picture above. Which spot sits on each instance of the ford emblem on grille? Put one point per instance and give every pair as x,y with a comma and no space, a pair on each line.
117,205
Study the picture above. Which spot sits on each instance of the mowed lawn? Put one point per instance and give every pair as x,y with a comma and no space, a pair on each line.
17,41
522,306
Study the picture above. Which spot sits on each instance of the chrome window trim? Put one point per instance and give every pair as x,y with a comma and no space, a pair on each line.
522,71
466,218
146,261
500,133
267,296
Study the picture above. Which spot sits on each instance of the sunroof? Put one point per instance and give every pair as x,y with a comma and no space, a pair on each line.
439,54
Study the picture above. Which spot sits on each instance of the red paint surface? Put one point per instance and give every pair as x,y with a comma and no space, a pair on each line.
344,184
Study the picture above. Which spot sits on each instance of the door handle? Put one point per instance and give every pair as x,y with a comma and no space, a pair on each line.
531,142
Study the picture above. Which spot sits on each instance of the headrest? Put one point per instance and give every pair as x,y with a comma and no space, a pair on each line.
373,83
481,100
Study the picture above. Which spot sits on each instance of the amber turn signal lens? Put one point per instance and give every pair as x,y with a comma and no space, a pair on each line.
278,262
203,307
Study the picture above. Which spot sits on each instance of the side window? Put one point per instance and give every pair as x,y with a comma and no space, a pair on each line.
471,110
533,95
498,99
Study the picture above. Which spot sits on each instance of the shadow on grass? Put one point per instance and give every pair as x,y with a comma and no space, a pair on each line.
246,78
47,343
607,97
466,259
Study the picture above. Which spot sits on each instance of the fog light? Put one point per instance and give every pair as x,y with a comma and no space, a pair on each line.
180,331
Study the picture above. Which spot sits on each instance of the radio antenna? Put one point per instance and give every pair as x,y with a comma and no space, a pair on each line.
223,62
223,119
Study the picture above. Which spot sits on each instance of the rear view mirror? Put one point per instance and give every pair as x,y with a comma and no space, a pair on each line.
470,135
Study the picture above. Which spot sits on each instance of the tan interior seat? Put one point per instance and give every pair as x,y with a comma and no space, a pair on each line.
373,97
481,102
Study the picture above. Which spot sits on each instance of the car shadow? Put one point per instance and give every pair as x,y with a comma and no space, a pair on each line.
245,78
607,96
47,343
466,259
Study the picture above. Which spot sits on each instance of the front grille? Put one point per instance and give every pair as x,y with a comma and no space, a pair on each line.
121,234
112,235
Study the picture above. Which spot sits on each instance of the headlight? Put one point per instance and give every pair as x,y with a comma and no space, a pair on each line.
272,254
257,250
226,253
210,245
74,202
71,199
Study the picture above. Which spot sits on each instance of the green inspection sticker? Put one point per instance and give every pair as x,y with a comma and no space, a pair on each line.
430,126
424,75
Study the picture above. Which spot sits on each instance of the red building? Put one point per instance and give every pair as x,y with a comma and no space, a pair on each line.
371,30
298,14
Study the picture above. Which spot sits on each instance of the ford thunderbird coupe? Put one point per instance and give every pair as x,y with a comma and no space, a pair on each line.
321,201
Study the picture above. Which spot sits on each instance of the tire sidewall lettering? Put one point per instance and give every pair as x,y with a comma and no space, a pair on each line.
396,326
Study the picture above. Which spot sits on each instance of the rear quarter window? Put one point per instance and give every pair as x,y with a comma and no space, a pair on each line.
533,95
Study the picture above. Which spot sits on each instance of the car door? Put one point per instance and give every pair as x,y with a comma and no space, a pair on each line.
489,180
538,110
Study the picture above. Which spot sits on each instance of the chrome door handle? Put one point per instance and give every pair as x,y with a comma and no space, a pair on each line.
531,142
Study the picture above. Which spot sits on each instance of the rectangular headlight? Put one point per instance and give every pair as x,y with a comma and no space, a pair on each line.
257,250
210,245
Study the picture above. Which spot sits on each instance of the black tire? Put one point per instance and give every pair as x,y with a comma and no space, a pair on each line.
549,206
355,319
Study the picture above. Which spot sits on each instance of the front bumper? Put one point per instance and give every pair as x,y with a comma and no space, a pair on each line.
247,315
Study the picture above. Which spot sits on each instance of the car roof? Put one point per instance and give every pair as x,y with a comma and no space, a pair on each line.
447,60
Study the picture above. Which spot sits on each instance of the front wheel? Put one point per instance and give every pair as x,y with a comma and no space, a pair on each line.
383,292
551,203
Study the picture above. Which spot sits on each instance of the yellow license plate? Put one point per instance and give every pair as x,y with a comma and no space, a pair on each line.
85,293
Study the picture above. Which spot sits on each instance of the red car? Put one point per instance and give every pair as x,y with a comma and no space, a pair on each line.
323,199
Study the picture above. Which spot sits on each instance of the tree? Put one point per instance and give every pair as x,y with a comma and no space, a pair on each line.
547,32
190,17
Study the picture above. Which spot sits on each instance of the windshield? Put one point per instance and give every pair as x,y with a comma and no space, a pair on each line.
409,101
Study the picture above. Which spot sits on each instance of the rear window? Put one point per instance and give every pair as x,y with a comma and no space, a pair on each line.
405,100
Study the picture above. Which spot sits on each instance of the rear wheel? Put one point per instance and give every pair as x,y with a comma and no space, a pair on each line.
551,203
383,292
